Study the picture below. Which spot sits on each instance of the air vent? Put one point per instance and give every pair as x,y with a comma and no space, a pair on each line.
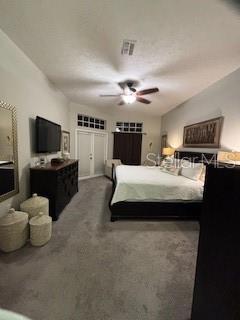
128,47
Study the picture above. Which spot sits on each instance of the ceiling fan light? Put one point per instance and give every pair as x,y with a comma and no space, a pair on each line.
130,98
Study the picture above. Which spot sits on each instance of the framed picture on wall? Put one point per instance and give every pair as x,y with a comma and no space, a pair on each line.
204,134
65,142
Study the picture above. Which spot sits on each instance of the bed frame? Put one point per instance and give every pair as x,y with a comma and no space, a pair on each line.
166,210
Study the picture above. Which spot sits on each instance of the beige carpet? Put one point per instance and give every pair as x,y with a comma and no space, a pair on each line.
93,269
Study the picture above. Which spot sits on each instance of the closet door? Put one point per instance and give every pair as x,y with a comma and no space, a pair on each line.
99,152
122,147
84,153
128,148
136,148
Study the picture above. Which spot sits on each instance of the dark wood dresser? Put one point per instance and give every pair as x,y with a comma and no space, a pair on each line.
58,183
217,283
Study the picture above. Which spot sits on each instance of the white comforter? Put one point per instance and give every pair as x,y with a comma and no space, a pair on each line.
150,183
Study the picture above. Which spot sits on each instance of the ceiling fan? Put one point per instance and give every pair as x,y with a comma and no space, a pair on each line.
130,94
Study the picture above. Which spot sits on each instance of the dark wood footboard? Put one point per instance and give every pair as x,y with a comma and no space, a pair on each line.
184,210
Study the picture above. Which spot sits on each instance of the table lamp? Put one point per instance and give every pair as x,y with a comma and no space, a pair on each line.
167,151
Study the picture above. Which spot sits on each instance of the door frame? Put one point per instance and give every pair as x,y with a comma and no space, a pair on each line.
105,133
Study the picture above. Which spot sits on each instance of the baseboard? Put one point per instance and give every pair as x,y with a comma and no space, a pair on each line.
90,177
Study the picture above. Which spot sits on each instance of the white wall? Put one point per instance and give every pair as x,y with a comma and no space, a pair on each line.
220,99
23,85
151,126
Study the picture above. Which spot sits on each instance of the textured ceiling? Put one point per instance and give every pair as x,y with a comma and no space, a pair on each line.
182,46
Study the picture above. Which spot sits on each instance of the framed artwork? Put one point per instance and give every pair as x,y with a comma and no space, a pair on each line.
204,134
65,141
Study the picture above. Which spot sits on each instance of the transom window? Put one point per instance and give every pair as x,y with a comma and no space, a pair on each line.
129,126
91,122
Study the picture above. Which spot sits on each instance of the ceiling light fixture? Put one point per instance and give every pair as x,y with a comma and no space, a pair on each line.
129,98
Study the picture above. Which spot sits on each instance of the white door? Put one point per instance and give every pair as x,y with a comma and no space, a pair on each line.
99,153
91,151
84,155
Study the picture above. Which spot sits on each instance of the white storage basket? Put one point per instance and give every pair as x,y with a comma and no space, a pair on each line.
34,205
14,230
40,229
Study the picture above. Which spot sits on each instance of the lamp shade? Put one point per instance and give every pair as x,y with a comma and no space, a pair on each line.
168,151
129,98
228,157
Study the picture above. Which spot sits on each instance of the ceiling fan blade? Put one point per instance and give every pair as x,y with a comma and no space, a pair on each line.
122,85
121,103
147,91
109,95
133,89
139,99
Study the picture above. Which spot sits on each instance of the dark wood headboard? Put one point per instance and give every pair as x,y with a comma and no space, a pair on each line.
203,157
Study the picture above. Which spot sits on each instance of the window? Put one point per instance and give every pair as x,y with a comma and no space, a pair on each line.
129,126
90,122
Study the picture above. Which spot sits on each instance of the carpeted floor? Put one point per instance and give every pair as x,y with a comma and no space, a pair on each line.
93,269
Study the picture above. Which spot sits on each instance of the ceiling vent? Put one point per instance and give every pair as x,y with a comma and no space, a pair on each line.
128,47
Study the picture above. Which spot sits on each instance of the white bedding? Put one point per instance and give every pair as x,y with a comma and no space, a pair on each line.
150,183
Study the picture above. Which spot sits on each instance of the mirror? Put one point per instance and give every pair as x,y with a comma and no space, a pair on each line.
9,184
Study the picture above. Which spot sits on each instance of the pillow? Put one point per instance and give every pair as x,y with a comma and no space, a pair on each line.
191,170
164,163
170,158
170,162
203,174
172,169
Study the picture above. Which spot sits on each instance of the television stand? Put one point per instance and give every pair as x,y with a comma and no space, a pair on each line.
58,183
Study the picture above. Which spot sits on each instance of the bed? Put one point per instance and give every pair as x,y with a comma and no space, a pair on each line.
141,192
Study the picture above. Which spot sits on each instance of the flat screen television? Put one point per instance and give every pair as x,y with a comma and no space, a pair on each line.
48,136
